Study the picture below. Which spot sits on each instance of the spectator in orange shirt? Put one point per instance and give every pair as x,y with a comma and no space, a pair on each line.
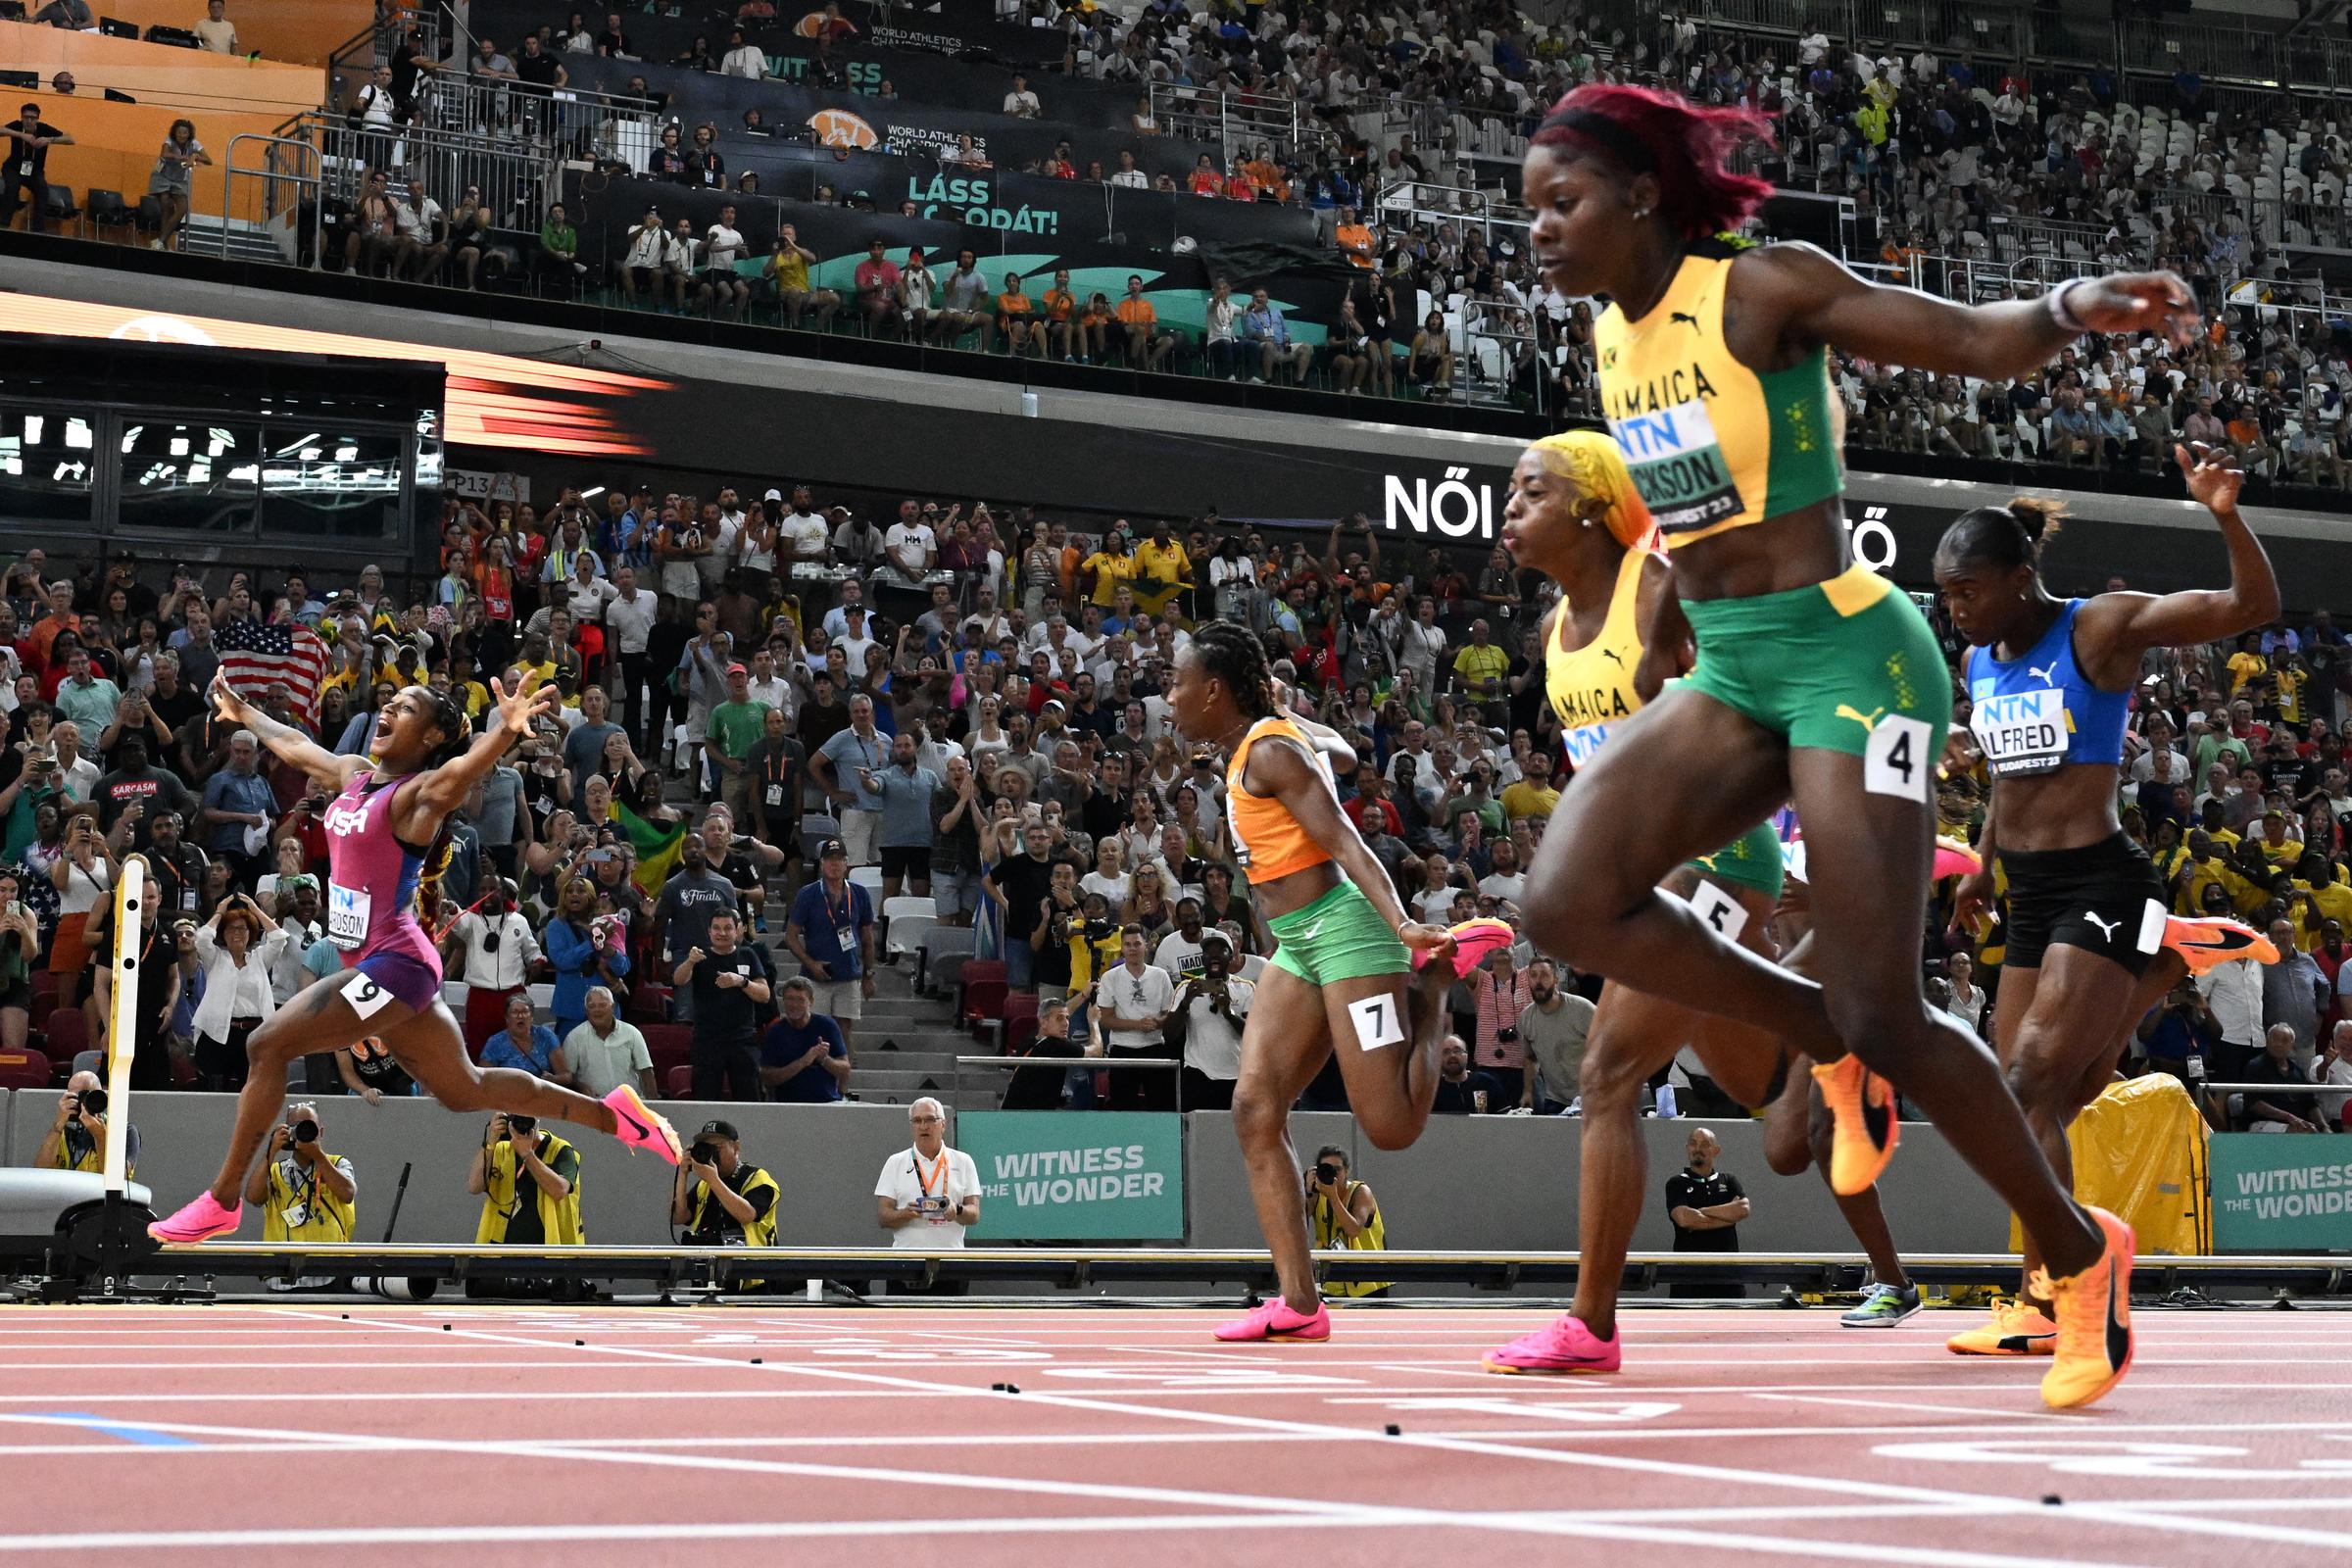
1355,239
1239,186
1060,306
1016,319
1093,329
1147,344
1206,180
2254,454
1265,174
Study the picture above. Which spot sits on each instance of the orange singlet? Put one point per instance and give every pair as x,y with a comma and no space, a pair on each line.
1267,839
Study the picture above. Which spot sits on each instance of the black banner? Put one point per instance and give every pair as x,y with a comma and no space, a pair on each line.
858,123
1178,284
1015,204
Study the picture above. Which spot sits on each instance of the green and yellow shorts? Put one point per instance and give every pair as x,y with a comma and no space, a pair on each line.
1338,936
1843,665
1753,859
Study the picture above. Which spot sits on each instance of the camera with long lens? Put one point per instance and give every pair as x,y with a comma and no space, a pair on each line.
521,1126
704,1153
305,1131
1326,1172
94,1103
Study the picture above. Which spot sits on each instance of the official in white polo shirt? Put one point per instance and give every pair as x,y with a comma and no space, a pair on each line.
929,1194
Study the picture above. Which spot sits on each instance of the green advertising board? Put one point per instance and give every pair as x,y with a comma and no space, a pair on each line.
1076,1176
2274,1192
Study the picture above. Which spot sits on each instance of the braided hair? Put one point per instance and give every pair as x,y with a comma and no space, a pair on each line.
1233,655
450,719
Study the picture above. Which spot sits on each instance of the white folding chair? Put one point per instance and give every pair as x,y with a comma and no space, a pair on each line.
909,920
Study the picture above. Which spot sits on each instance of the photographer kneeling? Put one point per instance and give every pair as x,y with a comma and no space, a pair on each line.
721,1199
304,1193
76,1138
529,1180
1343,1214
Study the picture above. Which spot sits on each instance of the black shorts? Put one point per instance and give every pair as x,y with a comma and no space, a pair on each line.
2104,899
911,861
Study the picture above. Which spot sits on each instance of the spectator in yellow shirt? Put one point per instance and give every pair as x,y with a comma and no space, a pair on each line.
1480,666
1532,794
2247,662
1108,566
1163,569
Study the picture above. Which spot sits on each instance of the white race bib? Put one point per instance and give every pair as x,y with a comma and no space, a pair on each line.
346,914
2021,732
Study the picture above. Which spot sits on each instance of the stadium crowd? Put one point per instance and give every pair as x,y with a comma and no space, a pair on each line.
779,716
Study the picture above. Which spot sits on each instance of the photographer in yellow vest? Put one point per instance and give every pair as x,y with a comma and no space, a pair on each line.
529,1180
1342,1213
77,1137
722,1199
304,1193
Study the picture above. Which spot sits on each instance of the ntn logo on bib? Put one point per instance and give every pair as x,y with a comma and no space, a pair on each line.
2022,732
1678,466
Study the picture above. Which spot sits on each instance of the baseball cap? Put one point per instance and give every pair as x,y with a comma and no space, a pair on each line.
737,669
773,494
1212,934
716,1128
831,849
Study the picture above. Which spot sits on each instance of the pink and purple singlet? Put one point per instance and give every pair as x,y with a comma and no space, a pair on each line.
371,899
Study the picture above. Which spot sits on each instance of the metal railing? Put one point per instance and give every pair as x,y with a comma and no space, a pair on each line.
1235,121
560,121
289,175
518,180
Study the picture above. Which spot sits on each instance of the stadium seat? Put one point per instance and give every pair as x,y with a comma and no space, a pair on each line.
983,990
65,1034
869,877
909,920
90,1062
60,207
679,1080
815,828
649,1005
667,1043
23,1070
107,210
940,944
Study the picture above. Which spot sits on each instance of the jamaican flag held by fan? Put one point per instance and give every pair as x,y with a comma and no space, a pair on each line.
658,848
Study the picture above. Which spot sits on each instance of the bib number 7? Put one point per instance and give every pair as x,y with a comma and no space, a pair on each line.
1376,1023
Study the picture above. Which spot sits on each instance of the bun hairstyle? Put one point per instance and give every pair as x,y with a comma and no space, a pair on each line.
2006,537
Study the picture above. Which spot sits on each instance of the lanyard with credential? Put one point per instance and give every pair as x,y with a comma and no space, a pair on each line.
939,1172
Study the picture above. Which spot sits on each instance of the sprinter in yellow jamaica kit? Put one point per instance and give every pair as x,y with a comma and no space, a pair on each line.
1815,680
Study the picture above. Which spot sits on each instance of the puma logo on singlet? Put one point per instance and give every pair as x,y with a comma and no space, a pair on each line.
1869,721
2047,677
1610,653
2106,927
1684,317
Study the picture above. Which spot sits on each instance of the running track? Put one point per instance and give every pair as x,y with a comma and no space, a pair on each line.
213,1435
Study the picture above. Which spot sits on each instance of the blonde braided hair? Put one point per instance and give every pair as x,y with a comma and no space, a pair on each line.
1593,460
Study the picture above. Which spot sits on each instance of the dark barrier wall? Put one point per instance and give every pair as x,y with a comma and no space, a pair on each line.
896,125
961,32
1018,204
1501,1183
605,210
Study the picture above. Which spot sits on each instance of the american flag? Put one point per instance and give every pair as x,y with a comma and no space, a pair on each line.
255,658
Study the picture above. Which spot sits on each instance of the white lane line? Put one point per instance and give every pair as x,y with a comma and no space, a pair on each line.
2063,1417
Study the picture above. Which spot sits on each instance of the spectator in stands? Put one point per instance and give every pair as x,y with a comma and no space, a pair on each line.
30,138
644,266
804,1058
906,830
743,58
1147,343
831,932
721,1198
586,950
558,262
721,284
1020,103
731,983
1133,1002
215,31
956,811
1431,358
1016,319
786,278
492,950
1214,1004
1461,1092
1041,1088
605,1051
72,15
1552,1029
237,956
172,181
527,1047
2276,1064
530,1182
919,297
965,305
849,768
1269,338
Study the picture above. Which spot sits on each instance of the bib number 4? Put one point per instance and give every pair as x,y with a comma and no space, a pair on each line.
1899,759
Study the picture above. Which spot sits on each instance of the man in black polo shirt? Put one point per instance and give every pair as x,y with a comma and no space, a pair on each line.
1040,1088
1025,880
30,138
1705,1207
731,982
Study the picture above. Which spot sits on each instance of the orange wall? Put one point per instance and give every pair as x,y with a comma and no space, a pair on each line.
301,32
190,82
114,147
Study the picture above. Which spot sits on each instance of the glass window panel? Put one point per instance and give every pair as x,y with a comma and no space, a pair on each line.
47,466
332,483
190,478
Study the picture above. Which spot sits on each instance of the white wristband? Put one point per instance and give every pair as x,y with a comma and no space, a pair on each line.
2055,300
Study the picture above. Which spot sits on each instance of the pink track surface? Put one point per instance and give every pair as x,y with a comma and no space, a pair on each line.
219,1434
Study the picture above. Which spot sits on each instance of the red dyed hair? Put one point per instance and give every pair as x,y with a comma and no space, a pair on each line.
1684,145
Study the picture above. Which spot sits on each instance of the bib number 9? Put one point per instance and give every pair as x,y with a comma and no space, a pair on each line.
367,998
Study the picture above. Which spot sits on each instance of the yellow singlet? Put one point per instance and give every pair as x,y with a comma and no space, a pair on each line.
1711,445
1592,687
